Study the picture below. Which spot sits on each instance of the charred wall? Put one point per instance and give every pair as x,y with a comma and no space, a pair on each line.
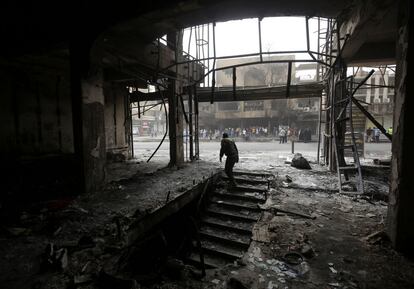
35,110
117,123
37,144
400,213
36,134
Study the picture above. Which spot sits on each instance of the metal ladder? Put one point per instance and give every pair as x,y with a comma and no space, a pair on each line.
325,45
342,123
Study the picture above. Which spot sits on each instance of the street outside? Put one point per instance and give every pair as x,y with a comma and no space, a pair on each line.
255,155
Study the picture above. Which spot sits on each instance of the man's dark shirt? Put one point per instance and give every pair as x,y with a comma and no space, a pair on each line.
228,148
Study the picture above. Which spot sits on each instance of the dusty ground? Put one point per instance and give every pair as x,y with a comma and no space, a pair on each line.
143,149
139,190
335,250
253,155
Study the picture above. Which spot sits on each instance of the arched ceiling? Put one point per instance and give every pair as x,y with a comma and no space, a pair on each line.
184,14
28,26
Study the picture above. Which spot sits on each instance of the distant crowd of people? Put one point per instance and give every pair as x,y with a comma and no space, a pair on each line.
283,132
293,134
253,131
373,134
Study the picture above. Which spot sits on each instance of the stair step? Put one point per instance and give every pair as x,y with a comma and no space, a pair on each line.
243,234
228,219
236,206
248,189
348,168
248,181
225,238
239,196
210,261
229,225
230,215
254,174
242,194
221,250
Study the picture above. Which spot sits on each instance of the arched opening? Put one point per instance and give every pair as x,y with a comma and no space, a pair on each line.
175,73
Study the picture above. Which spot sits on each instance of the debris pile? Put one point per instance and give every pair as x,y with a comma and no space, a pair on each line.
300,162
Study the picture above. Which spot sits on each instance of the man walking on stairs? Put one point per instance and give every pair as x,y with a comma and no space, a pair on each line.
229,148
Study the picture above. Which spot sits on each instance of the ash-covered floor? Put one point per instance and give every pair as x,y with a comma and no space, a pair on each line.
340,244
342,247
92,219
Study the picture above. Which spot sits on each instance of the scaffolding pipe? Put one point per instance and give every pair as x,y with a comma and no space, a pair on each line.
208,53
237,56
213,81
166,128
188,50
319,130
367,114
307,33
363,81
371,118
131,128
331,123
318,77
289,76
197,139
259,21
329,46
183,107
139,109
176,36
190,123
234,83
202,41
196,47
265,62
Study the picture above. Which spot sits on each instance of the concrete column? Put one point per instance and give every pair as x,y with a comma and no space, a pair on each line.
400,218
175,125
175,114
94,140
88,118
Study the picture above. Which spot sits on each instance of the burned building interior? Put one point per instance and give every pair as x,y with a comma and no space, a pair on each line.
85,205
